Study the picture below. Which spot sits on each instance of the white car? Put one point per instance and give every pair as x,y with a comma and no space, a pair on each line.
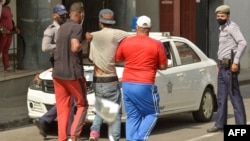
188,85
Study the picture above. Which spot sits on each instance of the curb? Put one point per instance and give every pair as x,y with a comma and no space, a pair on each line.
244,82
15,123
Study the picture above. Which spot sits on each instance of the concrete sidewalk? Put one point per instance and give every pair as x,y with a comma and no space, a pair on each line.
14,113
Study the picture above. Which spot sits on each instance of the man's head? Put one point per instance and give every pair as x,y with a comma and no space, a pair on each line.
143,24
222,14
77,12
6,2
106,17
60,13
2,2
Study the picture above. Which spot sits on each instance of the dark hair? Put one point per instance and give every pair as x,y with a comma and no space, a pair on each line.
7,2
107,25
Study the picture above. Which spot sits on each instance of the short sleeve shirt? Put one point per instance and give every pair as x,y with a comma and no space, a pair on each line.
68,65
49,37
231,38
143,56
103,48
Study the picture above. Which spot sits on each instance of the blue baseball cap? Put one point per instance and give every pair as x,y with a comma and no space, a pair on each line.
60,9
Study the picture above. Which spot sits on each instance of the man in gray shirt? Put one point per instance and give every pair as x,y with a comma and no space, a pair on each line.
102,53
231,48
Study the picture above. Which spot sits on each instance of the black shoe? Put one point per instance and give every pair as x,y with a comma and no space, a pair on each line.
41,127
214,129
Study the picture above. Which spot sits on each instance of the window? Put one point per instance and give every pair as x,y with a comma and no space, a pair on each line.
170,57
187,55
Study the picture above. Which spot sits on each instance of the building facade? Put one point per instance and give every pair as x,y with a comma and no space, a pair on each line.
192,19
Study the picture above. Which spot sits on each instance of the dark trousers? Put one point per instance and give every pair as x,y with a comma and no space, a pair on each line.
224,90
51,115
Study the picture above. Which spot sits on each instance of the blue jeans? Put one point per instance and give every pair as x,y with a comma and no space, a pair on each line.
110,91
141,103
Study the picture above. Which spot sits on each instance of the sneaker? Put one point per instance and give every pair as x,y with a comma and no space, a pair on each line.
41,126
94,136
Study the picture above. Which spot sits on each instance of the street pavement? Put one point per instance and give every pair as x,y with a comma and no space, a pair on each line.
14,113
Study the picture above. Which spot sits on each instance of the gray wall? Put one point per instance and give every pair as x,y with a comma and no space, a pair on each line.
33,20
33,16
240,14
213,29
151,9
124,11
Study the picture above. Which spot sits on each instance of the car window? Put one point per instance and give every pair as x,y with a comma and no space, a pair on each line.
186,53
169,54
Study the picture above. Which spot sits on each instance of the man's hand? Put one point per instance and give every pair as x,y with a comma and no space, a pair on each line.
88,36
17,30
234,67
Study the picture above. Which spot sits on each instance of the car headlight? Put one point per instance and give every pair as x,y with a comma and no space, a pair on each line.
36,83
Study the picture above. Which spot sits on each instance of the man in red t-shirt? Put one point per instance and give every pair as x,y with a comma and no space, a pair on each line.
143,56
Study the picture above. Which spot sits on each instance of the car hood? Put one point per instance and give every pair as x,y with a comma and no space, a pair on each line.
88,73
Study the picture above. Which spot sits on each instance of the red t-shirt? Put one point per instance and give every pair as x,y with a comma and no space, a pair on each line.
143,56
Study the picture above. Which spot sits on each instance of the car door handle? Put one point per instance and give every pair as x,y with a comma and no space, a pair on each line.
179,75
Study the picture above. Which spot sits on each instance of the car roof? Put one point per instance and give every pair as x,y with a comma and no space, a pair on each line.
163,36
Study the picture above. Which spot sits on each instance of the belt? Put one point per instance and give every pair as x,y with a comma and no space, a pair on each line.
225,62
105,79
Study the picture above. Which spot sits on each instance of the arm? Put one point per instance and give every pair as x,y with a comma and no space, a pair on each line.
48,43
75,45
241,44
163,60
15,29
163,67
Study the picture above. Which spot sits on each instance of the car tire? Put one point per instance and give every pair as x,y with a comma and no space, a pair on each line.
206,110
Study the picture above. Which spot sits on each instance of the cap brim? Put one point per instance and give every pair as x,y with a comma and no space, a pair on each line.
105,21
62,12
144,26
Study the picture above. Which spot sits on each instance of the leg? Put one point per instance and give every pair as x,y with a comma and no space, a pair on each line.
5,53
46,119
78,90
72,114
222,96
148,99
110,91
63,107
237,102
134,116
50,116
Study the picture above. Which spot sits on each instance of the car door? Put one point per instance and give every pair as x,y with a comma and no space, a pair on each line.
167,82
179,84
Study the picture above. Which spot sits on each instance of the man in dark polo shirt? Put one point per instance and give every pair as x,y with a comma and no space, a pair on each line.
68,74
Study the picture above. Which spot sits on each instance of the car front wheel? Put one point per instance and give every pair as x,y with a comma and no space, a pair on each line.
206,109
